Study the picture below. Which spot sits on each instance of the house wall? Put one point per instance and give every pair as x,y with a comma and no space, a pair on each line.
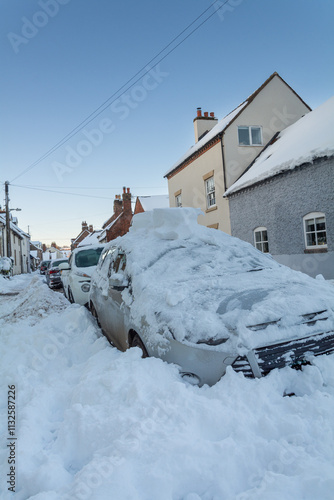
190,182
280,205
274,108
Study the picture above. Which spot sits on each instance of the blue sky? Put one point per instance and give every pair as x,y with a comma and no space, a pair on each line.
61,59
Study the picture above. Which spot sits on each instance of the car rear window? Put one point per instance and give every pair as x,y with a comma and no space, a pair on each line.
56,264
88,258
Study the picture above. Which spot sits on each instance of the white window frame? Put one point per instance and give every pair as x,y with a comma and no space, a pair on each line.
210,192
313,216
178,200
260,244
250,127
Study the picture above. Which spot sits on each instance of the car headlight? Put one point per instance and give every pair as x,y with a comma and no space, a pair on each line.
82,275
85,287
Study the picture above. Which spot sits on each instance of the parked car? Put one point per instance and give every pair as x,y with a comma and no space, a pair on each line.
206,301
53,275
44,266
76,273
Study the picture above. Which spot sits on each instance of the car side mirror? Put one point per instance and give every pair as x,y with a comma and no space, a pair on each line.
64,266
118,281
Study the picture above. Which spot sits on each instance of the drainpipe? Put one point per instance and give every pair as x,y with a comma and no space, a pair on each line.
223,158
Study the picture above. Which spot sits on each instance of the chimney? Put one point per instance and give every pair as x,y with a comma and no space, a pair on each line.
117,205
202,124
84,225
127,201
90,229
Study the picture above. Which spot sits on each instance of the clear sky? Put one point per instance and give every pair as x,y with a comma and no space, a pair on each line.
62,59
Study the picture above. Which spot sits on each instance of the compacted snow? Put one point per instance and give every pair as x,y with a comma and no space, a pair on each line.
95,423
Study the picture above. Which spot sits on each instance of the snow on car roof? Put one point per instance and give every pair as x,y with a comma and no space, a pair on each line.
204,283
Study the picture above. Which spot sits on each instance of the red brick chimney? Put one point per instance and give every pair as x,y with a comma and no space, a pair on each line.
90,228
117,205
84,225
127,201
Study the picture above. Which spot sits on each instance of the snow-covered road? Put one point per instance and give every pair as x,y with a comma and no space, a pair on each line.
94,423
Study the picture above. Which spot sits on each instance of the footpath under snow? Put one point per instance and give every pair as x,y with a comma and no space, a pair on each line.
95,423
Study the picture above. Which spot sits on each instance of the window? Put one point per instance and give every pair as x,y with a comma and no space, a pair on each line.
210,192
250,136
178,201
315,230
261,239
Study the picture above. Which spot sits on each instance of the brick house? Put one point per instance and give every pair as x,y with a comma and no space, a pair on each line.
85,231
119,223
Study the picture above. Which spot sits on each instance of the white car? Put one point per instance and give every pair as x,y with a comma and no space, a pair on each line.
75,274
204,300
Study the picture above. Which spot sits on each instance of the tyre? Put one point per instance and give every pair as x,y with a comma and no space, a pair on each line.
94,313
70,296
137,342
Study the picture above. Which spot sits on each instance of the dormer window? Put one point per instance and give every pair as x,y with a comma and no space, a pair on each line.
250,136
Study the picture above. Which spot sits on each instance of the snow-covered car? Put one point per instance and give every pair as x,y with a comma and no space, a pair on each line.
53,275
76,273
205,300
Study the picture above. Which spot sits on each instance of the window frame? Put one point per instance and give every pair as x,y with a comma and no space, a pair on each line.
263,241
250,127
313,216
178,200
209,193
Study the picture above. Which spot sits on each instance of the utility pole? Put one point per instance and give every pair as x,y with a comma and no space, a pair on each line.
8,245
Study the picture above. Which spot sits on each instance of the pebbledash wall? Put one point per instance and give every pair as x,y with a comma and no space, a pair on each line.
279,204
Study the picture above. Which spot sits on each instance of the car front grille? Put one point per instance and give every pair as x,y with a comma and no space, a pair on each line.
293,353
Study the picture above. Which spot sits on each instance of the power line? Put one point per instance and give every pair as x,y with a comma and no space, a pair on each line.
61,192
112,98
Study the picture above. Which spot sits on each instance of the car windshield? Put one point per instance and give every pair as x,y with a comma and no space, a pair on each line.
88,258
56,264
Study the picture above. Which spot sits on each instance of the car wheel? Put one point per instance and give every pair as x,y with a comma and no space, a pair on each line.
94,313
137,342
70,296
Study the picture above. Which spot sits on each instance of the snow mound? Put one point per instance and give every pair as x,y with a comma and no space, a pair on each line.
95,423
34,302
168,223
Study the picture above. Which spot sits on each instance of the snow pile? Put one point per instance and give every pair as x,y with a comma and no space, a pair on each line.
95,423
155,201
32,303
5,264
201,284
310,137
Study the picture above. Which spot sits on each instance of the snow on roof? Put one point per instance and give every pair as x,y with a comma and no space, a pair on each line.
156,201
311,137
14,228
217,129
91,239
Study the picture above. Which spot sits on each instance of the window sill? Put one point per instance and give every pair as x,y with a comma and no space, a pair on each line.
211,209
316,250
250,145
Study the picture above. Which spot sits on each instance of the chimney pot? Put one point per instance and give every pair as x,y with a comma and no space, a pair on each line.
128,190
124,189
212,115
206,114
199,112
